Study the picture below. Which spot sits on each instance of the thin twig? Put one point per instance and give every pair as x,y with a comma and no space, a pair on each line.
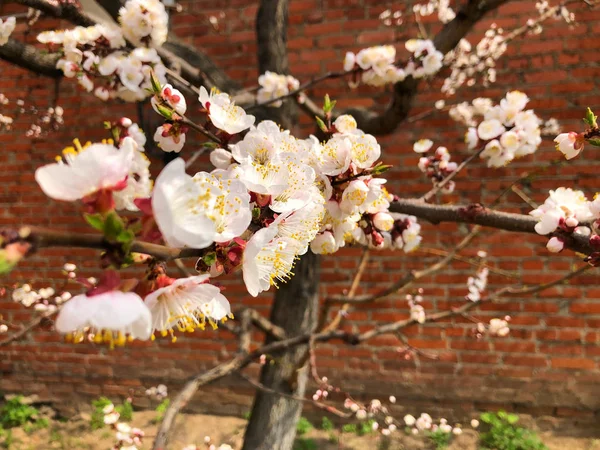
310,401
242,360
335,323
26,328
429,195
408,279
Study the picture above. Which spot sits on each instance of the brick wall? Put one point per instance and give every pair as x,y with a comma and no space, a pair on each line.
550,362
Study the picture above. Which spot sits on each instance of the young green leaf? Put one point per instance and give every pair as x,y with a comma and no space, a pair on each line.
321,124
590,118
113,226
95,220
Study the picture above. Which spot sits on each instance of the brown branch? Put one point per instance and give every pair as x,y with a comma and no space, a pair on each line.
70,11
479,215
199,128
186,394
30,58
470,261
44,237
335,323
405,91
394,327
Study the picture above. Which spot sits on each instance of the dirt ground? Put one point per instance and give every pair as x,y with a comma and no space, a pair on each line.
76,434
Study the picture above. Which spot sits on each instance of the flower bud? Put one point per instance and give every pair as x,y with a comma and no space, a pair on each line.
220,158
383,221
555,245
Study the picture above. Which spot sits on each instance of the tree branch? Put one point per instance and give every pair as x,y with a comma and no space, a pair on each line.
406,91
26,328
479,215
43,237
30,58
70,11
438,186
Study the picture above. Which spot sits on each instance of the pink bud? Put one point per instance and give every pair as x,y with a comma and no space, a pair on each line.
555,245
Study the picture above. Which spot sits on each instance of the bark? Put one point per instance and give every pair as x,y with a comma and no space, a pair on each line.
272,424
30,58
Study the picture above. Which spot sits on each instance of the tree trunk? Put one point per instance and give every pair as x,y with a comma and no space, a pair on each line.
272,424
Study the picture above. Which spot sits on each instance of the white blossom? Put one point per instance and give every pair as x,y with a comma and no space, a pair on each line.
569,144
97,167
274,85
224,114
187,304
422,145
180,208
112,316
144,22
7,26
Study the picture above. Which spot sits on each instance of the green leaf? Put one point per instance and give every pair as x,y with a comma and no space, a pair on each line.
116,133
321,124
113,226
328,104
512,418
125,236
590,118
380,168
486,417
156,87
95,220
6,266
167,113
209,259
210,145
594,141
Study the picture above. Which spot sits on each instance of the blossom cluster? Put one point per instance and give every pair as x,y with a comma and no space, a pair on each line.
467,64
144,22
436,166
505,131
127,438
477,284
45,299
496,327
271,198
5,120
568,211
7,26
444,12
424,423
377,67
280,194
100,60
107,314
159,392
208,446
417,312
390,18
274,85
